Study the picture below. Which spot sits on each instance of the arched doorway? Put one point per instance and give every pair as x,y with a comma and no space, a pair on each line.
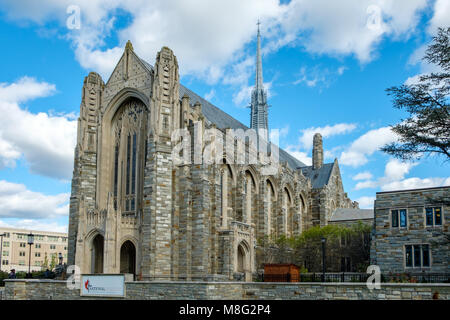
241,259
128,258
97,254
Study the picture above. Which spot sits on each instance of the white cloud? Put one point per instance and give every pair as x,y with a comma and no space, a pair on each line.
369,184
243,96
16,201
24,89
341,70
302,156
441,16
396,170
415,183
8,154
278,133
306,139
347,27
332,153
394,178
366,175
38,225
46,141
103,62
210,95
317,76
366,145
209,36
366,202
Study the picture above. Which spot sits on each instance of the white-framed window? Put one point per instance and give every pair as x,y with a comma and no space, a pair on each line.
399,218
433,216
417,256
23,245
22,254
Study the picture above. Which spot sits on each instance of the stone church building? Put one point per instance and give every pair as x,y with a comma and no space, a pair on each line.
134,209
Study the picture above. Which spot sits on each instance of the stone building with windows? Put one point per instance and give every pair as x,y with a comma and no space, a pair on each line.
411,231
46,250
135,208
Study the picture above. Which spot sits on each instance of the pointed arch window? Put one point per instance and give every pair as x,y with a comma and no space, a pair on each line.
249,196
270,199
130,195
130,152
287,212
116,173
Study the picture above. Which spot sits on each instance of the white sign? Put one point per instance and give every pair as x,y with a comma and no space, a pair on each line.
103,285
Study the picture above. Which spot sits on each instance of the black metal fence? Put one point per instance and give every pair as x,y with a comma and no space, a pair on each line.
357,277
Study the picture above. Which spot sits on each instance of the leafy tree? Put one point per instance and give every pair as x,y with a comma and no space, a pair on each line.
53,262
305,250
426,131
45,263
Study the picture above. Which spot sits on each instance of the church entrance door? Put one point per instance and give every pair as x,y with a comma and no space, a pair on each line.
97,254
128,258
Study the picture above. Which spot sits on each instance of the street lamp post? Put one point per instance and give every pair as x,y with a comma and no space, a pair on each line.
324,240
30,242
1,250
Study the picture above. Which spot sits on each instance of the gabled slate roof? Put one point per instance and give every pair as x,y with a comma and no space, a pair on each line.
320,177
345,214
223,120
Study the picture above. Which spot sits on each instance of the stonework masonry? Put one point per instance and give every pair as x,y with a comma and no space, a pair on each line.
133,209
157,290
389,242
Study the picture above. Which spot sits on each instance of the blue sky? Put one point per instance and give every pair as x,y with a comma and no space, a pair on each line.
326,66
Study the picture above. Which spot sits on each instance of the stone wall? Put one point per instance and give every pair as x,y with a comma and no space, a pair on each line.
388,244
25,289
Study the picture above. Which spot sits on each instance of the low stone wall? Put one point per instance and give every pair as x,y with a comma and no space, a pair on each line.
28,289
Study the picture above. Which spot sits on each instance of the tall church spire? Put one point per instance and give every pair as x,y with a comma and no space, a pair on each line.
259,76
259,107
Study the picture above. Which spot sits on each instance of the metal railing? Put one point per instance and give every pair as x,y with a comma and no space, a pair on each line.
357,277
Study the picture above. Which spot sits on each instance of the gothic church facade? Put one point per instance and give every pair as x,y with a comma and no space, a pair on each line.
133,209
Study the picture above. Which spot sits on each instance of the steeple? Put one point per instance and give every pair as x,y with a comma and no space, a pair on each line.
259,107
259,76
